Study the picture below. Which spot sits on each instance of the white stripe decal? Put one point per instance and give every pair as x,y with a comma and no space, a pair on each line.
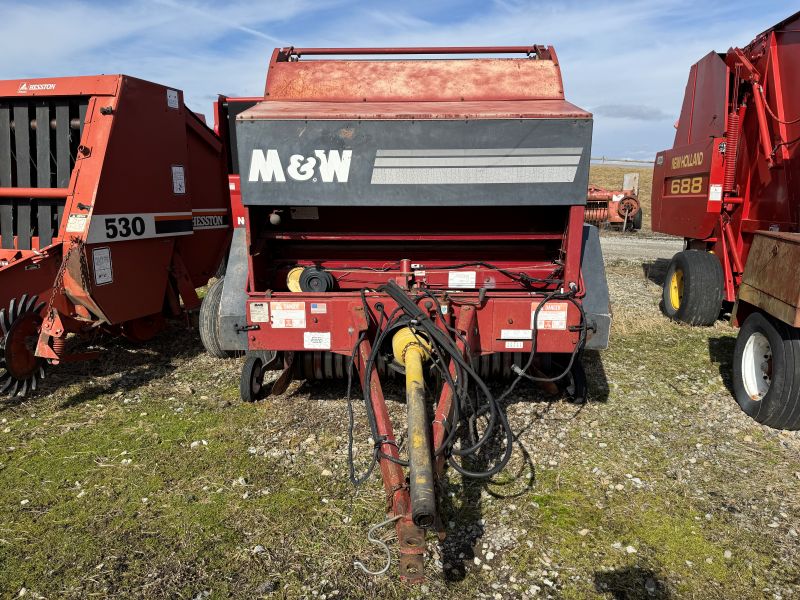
482,152
478,161
425,176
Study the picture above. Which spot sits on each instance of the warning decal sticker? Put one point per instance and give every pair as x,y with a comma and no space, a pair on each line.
461,279
552,316
172,98
76,223
178,180
259,312
103,269
288,315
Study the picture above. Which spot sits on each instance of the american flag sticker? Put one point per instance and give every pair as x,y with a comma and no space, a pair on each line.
319,308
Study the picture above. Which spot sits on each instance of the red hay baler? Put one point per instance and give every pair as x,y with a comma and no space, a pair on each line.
415,216
731,187
617,208
113,209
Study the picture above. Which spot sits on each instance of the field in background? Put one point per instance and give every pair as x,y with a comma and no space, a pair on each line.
610,177
144,476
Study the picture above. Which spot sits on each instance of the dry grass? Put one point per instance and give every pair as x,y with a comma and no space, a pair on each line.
610,177
107,488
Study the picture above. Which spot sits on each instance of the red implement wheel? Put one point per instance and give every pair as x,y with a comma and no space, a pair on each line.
20,368
628,206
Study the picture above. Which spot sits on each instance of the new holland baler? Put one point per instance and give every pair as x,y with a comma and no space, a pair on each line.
114,207
731,187
423,217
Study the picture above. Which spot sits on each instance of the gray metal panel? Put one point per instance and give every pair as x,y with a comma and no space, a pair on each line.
62,143
232,306
6,206
596,302
45,209
22,150
516,162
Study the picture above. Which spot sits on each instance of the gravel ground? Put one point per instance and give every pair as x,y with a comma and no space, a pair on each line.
144,476
638,247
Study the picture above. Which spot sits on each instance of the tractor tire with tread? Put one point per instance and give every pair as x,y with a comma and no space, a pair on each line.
766,371
693,288
209,321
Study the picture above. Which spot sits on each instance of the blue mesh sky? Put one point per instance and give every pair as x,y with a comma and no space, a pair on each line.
626,61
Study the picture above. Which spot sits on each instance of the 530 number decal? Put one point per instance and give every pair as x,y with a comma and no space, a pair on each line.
123,227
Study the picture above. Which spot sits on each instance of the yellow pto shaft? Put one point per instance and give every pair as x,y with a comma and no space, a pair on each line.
411,351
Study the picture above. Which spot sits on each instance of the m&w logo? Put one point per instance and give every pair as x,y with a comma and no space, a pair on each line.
328,166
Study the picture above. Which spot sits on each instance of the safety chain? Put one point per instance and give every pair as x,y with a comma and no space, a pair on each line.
58,283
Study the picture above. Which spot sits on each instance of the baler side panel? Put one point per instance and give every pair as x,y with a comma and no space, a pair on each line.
704,102
211,207
130,187
687,190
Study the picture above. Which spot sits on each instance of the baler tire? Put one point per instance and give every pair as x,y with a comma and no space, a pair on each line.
766,371
222,267
209,321
636,222
574,384
693,288
251,383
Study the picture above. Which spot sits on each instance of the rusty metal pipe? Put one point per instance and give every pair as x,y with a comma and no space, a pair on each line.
737,261
415,50
53,193
411,351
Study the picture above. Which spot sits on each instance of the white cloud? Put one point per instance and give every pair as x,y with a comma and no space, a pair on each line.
628,59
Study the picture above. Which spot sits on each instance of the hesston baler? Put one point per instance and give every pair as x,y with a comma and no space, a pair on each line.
113,209
417,216
731,187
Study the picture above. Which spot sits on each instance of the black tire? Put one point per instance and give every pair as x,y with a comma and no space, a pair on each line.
766,380
209,321
636,222
222,267
573,385
693,288
251,382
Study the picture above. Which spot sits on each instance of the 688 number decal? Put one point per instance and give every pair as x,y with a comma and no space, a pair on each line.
124,227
